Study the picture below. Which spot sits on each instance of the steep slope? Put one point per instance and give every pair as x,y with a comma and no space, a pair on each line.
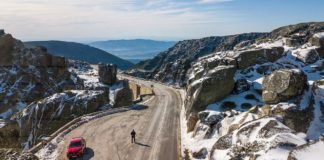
136,49
78,51
171,65
269,107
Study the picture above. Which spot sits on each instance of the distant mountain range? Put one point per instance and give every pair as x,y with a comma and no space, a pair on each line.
134,50
78,51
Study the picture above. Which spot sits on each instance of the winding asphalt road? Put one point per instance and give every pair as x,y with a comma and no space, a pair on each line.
157,127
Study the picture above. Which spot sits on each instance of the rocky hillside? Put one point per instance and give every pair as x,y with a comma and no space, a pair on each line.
262,100
81,52
40,92
172,65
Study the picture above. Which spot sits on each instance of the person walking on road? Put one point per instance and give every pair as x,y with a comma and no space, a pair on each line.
133,134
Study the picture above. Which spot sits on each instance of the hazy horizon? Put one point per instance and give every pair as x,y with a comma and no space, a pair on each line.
167,20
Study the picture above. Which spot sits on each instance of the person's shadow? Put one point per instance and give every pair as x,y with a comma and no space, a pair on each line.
141,144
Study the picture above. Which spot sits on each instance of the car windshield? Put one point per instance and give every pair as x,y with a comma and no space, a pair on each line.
75,144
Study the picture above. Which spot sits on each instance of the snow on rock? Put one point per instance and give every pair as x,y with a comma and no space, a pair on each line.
270,44
234,127
316,128
48,114
319,35
87,73
256,137
241,102
2,124
113,92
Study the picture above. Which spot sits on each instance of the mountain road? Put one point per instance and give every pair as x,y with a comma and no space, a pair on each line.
157,129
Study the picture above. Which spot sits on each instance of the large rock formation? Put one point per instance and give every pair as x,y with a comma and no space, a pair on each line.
49,114
304,31
308,56
7,43
107,73
38,91
317,39
282,85
258,56
123,95
28,74
217,84
240,143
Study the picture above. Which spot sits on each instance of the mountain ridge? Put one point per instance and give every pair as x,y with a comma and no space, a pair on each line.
79,51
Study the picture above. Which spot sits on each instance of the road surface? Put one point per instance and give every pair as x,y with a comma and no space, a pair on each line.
157,128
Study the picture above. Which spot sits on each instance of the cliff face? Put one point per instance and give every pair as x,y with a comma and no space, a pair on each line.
28,74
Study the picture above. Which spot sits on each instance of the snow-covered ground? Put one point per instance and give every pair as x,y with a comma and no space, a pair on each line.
310,152
90,77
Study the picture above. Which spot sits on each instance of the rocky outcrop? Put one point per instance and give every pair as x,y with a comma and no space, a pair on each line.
217,84
124,96
282,85
304,31
295,118
204,65
28,74
308,56
107,73
9,134
294,41
13,154
241,85
249,58
201,154
242,144
49,114
7,43
317,40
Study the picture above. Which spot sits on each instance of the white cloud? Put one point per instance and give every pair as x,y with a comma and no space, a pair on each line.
106,19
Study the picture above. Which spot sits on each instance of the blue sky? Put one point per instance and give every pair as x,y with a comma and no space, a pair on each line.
89,20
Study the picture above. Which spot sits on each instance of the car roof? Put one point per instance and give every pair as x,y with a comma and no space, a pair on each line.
76,139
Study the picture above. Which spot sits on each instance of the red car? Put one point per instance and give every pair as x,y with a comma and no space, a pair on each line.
76,148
